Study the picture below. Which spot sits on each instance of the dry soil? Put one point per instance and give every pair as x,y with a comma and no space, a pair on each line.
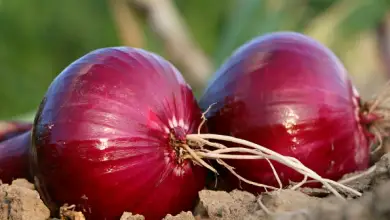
20,201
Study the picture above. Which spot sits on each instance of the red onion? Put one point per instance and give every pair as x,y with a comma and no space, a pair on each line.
14,157
9,129
107,137
289,93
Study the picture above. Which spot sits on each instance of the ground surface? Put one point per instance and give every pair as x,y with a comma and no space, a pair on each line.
19,201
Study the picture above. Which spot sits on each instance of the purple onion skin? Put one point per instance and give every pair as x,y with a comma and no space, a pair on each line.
14,158
291,94
10,129
101,137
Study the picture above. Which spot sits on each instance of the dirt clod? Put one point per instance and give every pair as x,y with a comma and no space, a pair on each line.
69,213
23,183
181,216
21,203
288,200
382,172
372,206
243,205
130,216
222,205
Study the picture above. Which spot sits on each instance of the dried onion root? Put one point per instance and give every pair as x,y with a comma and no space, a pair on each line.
264,153
377,115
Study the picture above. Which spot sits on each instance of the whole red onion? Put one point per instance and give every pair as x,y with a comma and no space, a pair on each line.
14,157
291,94
107,137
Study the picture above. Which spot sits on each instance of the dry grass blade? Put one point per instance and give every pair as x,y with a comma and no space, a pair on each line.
169,25
127,23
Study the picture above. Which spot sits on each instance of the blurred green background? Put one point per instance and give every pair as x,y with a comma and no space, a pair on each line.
39,38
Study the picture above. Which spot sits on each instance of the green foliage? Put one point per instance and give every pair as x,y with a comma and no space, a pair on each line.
366,16
38,39
205,19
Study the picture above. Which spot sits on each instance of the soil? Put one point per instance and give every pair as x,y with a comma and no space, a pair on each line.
20,201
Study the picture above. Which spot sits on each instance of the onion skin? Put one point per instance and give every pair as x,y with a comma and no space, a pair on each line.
10,129
291,94
101,137
14,157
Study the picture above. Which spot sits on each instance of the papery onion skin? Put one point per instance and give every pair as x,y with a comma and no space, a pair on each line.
10,129
101,137
14,157
291,94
